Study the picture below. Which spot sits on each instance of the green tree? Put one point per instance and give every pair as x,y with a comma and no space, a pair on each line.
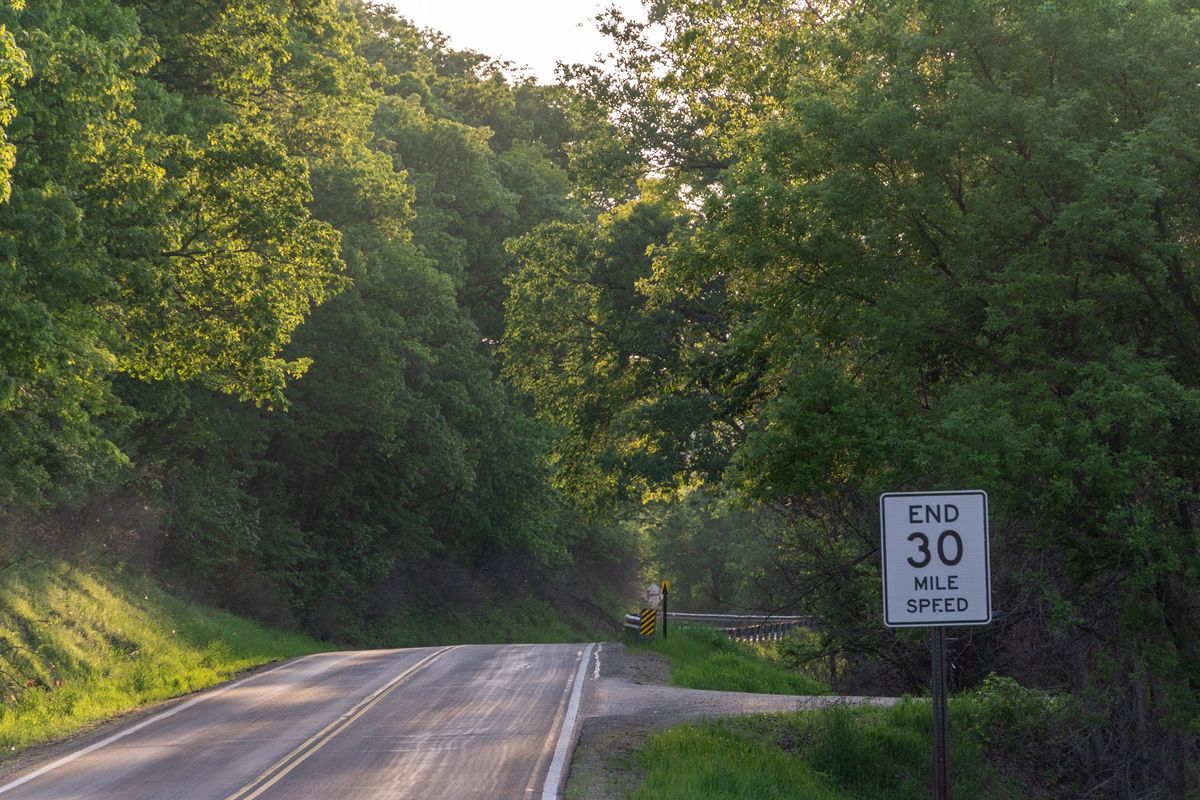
958,250
601,361
484,154
716,557
249,97
679,88
14,71
143,235
68,93
399,455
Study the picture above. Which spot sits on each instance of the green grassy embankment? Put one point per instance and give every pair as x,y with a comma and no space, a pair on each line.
80,645
841,753
835,754
702,658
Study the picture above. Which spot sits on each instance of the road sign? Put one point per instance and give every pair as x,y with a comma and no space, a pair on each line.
648,619
654,595
936,559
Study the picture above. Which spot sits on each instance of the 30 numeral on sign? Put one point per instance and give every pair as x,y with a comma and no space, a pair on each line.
923,549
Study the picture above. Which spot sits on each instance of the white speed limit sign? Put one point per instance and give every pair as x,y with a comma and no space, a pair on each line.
936,559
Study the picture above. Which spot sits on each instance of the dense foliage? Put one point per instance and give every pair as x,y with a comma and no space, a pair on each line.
899,245
253,279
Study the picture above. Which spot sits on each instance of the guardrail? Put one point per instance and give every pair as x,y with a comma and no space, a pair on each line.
746,627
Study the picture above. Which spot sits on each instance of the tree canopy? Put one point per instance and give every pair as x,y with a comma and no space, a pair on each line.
921,246
253,275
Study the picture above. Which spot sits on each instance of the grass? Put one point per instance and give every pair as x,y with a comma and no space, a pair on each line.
78,646
861,753
702,658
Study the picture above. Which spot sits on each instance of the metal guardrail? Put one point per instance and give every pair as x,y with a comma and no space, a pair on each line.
746,627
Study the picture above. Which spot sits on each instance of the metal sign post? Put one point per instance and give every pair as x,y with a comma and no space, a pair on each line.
941,719
936,572
665,586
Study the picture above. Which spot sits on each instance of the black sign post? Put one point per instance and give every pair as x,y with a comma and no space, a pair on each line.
941,719
665,585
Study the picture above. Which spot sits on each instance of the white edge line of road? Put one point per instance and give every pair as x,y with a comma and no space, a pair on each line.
557,774
207,695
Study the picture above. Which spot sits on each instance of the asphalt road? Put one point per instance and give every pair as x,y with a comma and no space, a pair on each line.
477,722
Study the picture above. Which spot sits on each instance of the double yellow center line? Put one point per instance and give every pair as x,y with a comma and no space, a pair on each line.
277,771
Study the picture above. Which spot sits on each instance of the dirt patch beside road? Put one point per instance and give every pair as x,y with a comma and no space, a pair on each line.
618,662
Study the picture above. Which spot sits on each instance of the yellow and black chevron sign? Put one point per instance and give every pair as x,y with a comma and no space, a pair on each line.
648,617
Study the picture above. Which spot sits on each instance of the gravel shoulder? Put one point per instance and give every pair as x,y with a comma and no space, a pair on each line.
627,699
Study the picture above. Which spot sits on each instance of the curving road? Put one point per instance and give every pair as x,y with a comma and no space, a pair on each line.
476,722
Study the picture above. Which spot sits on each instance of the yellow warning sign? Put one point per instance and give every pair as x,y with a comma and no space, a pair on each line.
648,619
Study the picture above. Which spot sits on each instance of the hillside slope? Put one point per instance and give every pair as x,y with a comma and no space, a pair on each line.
78,645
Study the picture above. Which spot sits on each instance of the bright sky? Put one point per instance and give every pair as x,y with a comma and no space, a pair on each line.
534,33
